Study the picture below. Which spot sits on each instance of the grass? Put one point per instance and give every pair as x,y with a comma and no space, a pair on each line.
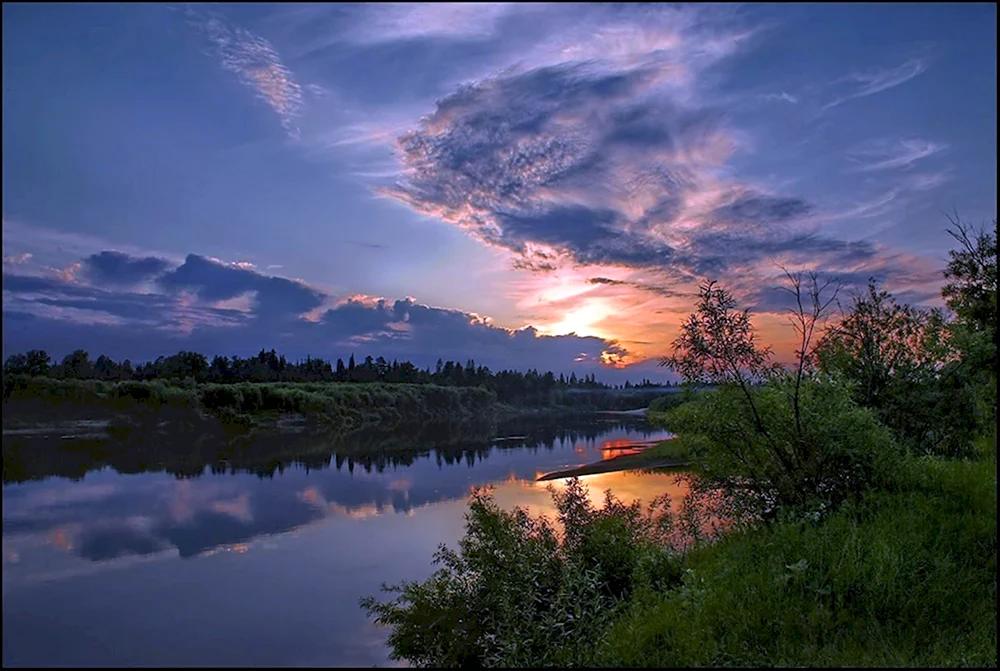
909,579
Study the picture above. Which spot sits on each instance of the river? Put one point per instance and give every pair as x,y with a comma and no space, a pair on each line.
259,568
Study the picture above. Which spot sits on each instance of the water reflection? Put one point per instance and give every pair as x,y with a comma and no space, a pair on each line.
325,521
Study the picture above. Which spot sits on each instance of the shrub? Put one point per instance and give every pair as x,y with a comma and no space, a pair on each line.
519,594
840,450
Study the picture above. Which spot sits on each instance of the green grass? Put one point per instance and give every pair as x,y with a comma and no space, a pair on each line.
909,579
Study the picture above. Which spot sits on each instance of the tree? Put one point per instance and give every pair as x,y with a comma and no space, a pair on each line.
38,362
15,364
770,436
105,368
972,271
77,365
717,345
879,341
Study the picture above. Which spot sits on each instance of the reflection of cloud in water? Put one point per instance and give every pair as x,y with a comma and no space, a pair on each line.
238,508
402,485
186,498
81,493
315,498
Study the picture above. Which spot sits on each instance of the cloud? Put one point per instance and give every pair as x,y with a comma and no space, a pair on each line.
213,280
254,61
559,161
602,153
652,288
786,97
877,80
112,267
887,154
395,22
17,259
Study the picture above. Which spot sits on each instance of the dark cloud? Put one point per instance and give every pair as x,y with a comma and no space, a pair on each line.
761,209
215,281
118,268
718,251
490,150
155,310
643,286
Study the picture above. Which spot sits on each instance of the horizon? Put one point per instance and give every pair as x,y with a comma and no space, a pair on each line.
528,186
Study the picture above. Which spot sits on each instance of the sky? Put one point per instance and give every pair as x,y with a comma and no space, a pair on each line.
528,185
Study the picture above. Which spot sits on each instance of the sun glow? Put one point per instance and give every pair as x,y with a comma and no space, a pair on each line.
581,320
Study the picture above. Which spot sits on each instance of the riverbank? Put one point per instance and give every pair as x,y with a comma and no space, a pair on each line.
627,462
40,405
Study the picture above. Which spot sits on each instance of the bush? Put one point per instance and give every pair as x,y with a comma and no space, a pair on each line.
518,594
839,450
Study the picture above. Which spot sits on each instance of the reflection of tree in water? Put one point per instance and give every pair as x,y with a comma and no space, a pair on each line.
265,454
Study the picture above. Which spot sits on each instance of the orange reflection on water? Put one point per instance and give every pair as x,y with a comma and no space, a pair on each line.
618,447
627,486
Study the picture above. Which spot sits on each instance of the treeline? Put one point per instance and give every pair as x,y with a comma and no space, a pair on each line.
512,387
269,366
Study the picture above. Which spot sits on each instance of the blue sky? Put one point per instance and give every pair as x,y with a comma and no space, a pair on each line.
525,184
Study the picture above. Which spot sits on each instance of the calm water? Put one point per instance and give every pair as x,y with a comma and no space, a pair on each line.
246,569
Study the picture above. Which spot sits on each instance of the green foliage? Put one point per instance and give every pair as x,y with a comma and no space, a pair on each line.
518,594
904,363
672,400
972,288
840,450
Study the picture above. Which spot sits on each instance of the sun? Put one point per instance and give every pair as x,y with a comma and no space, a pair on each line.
581,320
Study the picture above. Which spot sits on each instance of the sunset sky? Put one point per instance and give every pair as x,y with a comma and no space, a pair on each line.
528,185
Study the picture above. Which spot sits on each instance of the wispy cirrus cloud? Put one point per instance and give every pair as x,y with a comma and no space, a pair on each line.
254,61
888,154
876,80
783,97
401,21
